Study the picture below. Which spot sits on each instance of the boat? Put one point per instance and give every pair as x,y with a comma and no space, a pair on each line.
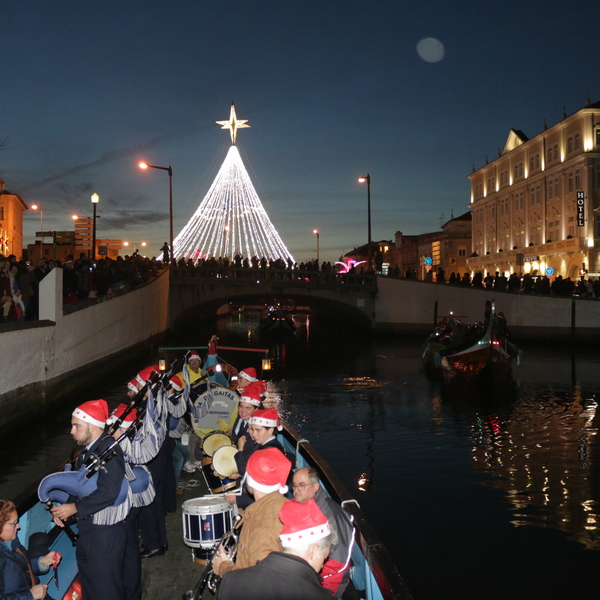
276,323
373,572
469,352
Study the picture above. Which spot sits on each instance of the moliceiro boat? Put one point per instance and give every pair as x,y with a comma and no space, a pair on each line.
455,350
372,572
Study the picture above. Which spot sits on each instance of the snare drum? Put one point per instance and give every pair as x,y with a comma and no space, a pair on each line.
205,521
213,441
223,461
214,483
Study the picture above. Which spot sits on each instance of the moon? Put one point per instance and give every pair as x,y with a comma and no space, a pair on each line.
430,50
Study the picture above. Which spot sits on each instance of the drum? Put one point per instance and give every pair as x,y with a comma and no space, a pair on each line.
223,461
205,521
214,483
213,441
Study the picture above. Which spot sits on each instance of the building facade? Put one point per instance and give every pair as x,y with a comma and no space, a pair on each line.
448,249
12,208
535,208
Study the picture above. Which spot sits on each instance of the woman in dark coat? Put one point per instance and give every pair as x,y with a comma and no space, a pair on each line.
18,580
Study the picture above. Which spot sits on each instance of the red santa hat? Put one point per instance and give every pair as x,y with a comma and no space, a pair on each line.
248,373
302,523
118,412
144,374
176,383
267,471
266,418
94,412
193,355
261,386
132,385
251,395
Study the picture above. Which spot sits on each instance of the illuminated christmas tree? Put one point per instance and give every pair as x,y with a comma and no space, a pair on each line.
231,219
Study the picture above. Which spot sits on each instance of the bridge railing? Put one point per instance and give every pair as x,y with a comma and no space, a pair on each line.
268,276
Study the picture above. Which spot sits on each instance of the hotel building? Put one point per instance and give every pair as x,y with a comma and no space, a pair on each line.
536,208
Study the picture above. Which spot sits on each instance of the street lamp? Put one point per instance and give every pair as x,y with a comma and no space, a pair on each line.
367,178
36,207
317,234
95,200
144,165
135,244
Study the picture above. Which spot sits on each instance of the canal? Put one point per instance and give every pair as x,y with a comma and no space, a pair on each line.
476,492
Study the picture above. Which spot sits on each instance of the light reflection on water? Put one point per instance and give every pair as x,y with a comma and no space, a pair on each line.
476,493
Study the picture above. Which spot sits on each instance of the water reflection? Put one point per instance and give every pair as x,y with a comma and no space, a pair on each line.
539,452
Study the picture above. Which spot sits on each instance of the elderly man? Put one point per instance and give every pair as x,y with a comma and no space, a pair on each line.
100,548
291,574
336,570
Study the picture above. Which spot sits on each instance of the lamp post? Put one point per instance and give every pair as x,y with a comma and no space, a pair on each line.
144,165
367,179
95,200
36,207
135,244
317,234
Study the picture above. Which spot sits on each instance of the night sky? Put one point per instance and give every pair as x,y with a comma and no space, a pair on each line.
331,89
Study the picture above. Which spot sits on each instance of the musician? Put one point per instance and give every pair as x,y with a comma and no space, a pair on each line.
192,367
249,402
132,565
292,573
100,548
336,570
266,476
246,377
262,426
151,519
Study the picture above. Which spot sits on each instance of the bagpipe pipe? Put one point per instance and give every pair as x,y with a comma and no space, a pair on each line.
139,443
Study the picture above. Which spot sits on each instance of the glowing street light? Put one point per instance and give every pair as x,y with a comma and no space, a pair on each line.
95,200
36,207
317,234
135,244
144,165
367,179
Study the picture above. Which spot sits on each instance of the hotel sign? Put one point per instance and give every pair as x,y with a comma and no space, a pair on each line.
580,211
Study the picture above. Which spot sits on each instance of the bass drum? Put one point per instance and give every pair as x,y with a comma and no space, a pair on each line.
223,461
213,441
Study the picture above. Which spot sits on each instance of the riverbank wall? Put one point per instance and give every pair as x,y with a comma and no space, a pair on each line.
45,360
407,306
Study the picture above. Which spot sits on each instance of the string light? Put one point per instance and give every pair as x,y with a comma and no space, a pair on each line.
231,218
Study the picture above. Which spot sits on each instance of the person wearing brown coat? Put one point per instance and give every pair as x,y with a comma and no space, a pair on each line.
266,475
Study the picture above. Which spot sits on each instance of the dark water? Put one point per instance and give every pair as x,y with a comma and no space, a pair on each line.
476,493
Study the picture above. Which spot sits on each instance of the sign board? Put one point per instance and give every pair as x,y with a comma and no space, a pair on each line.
102,250
580,209
549,271
428,261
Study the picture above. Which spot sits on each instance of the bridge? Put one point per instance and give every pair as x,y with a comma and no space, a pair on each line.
204,289
375,302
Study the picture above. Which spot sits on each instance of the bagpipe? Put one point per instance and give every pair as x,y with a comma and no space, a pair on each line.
139,443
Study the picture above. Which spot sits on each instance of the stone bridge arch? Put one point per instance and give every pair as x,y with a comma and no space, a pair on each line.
200,291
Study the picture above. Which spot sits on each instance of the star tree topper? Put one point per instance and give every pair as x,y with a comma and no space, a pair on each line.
233,124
